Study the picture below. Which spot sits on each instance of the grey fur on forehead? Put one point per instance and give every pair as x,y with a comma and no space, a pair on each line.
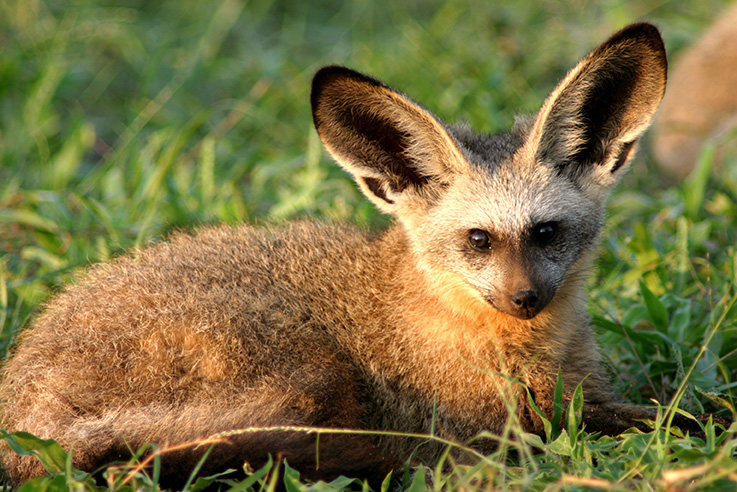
491,149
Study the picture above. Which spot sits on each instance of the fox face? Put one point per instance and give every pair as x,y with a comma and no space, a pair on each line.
506,221
512,234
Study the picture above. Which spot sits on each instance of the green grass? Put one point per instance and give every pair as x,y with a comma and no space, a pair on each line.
122,121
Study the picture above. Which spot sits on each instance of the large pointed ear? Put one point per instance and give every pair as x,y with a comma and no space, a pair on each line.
589,126
399,153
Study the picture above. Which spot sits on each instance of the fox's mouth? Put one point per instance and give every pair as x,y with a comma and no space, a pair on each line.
525,314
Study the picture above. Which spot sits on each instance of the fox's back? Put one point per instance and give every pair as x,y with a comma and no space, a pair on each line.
199,317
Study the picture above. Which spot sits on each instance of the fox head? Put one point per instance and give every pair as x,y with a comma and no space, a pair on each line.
510,218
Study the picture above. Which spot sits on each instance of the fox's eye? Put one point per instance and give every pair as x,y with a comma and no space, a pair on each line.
545,233
479,239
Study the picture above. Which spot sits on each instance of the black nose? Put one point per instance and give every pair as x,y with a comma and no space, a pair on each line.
525,299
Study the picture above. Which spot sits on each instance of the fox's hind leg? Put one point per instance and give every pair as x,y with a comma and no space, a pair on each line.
112,433
244,438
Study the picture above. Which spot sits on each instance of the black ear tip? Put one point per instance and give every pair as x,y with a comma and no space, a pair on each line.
324,77
639,29
641,32
331,72
644,27
336,74
335,77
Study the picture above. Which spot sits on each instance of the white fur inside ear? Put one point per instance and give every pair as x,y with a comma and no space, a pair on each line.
374,188
605,176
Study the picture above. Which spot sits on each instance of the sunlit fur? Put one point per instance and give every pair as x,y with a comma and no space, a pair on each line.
409,329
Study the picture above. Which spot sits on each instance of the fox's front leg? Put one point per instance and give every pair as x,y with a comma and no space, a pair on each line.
613,418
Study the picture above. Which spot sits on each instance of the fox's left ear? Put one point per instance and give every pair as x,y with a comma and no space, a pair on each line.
589,126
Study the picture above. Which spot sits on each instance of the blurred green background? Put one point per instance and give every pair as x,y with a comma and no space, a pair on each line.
120,121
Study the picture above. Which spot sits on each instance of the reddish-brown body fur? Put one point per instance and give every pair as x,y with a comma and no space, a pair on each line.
213,346
422,327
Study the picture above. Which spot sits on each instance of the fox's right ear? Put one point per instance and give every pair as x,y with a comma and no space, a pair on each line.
399,153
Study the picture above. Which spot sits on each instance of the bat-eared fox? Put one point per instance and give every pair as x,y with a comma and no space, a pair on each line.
451,321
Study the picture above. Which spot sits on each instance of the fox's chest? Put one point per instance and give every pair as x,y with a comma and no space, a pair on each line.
458,391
